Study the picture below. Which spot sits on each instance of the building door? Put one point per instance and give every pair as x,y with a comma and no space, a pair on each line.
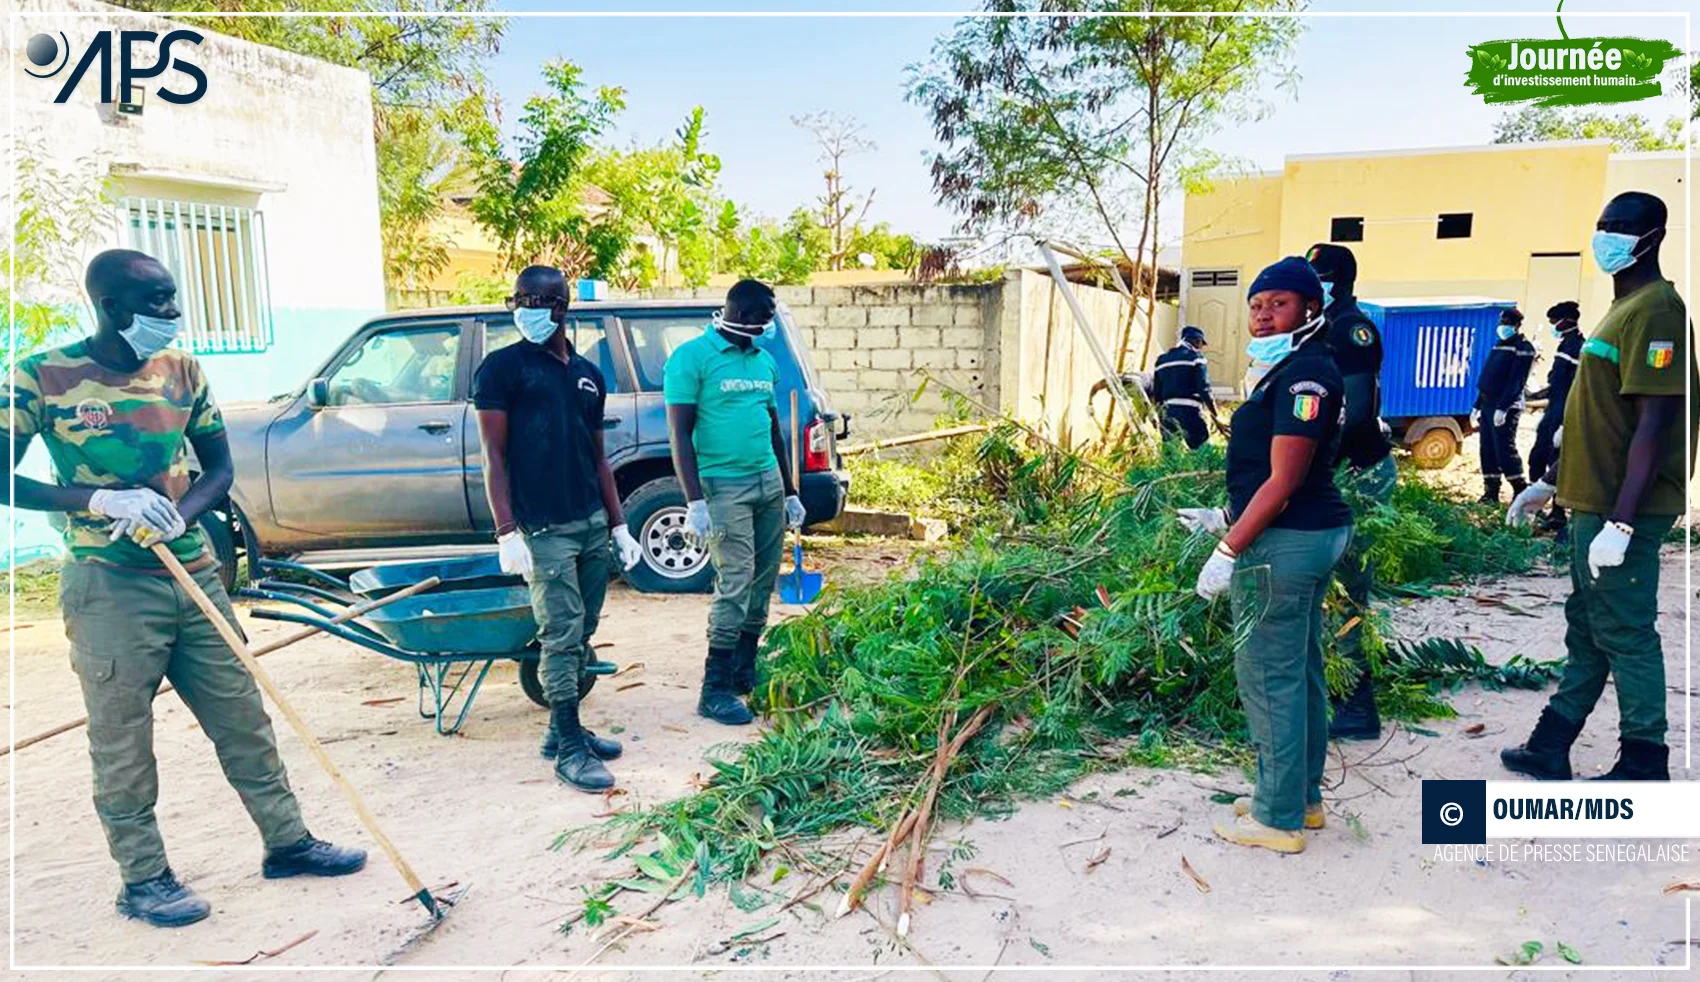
1215,306
1553,276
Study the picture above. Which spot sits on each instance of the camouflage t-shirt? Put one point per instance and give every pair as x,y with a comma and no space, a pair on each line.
110,429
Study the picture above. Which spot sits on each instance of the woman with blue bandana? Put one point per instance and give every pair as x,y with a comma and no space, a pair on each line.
1284,529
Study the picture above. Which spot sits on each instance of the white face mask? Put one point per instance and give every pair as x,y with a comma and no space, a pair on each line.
535,323
742,330
148,336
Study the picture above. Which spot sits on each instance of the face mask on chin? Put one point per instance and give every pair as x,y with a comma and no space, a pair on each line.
1275,347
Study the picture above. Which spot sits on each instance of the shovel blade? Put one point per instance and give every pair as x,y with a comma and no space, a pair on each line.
801,587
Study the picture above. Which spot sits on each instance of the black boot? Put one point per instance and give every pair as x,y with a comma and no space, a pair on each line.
744,665
162,902
1355,717
1545,756
1639,760
719,701
1490,490
575,764
312,857
1518,486
602,748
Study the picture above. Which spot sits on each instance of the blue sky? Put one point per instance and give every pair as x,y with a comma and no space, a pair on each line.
1367,83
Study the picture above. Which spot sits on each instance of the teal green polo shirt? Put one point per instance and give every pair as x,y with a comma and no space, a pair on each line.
733,389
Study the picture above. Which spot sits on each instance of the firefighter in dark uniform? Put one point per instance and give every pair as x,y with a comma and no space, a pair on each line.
1181,386
1564,318
1365,466
1499,402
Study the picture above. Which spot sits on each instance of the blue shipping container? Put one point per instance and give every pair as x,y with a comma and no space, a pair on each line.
1434,350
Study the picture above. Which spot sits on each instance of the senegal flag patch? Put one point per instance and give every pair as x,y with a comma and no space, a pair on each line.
1362,336
1306,408
1660,354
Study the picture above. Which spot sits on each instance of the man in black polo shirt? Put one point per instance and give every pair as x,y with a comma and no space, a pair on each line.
553,497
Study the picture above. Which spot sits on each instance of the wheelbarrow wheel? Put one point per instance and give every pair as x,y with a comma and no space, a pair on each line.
531,683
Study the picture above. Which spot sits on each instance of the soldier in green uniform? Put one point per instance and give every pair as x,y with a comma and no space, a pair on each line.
1623,473
117,411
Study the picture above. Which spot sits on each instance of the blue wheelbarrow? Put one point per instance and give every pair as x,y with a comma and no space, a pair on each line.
452,634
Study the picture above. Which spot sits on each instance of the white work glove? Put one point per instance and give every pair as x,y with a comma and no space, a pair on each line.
795,513
1217,573
1529,501
1212,520
630,553
1475,419
1499,417
1607,549
139,508
697,524
1558,437
514,554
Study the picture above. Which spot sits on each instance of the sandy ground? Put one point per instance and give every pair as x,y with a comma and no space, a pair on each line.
482,809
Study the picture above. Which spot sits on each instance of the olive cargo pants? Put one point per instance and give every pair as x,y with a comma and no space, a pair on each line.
569,582
1277,590
746,540
1610,630
128,631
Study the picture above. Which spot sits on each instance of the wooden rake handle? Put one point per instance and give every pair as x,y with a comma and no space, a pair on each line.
296,723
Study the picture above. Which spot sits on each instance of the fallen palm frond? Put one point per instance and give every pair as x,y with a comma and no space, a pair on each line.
1067,635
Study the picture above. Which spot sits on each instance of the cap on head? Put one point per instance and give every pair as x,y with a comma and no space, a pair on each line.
750,302
1514,317
1567,310
1290,273
1334,263
1192,335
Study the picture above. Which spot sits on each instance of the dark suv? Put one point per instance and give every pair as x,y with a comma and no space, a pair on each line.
378,457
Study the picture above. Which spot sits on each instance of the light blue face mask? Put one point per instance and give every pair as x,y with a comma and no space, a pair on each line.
148,336
1275,347
1327,293
1506,331
1615,251
535,323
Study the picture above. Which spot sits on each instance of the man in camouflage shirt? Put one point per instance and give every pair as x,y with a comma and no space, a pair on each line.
115,411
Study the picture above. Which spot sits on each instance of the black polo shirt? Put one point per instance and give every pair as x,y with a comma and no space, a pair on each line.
1356,343
1301,396
554,411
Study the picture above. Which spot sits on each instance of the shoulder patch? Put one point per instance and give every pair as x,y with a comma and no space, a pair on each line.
1316,388
1307,408
1363,336
1660,354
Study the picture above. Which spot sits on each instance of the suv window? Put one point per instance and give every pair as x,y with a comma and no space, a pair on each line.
586,334
414,364
654,338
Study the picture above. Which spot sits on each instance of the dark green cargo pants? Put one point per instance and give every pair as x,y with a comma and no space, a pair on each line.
1355,571
569,582
1610,630
1277,590
128,631
746,540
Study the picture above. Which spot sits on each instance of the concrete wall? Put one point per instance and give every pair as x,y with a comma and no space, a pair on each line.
286,135
1010,345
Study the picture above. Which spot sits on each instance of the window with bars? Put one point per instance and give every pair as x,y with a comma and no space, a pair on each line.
217,254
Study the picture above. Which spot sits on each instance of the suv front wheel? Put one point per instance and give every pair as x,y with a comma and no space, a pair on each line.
671,562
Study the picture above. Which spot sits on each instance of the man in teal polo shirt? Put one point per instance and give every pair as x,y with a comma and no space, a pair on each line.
727,449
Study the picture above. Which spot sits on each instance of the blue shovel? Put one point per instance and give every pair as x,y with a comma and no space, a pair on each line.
800,587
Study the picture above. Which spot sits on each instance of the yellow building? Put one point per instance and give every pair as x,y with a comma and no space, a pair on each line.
1507,221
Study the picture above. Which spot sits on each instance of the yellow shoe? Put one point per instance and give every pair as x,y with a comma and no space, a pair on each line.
1248,831
1315,818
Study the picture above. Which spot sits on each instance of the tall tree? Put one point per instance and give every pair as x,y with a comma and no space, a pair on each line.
838,136
428,89
1631,131
1090,120
59,217
534,204
667,192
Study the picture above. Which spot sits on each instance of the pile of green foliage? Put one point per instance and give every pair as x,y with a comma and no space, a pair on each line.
1072,613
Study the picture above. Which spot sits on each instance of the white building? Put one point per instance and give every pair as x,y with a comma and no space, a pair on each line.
261,196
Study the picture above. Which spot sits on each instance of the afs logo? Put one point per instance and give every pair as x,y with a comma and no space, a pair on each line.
44,51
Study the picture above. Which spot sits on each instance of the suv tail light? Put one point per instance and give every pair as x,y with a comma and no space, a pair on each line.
817,447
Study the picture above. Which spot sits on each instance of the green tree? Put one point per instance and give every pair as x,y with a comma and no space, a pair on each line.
533,204
58,217
838,136
778,252
428,88
1631,131
889,250
667,192
1090,121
